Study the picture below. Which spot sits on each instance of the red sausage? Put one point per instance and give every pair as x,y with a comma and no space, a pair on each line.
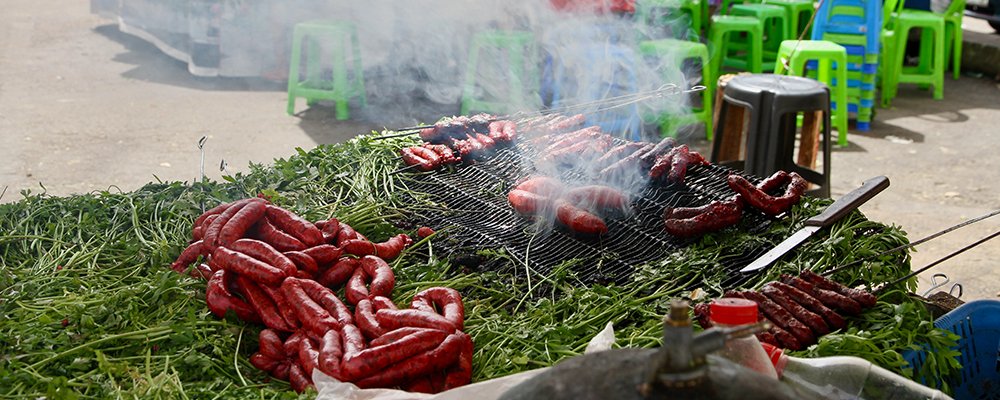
339,273
598,196
391,248
812,320
410,157
329,229
294,225
329,301
366,362
250,267
354,341
308,356
303,262
264,252
281,370
832,319
447,300
188,255
313,316
395,319
382,278
579,220
270,344
438,358
395,335
262,304
718,215
346,233
267,232
214,211
542,185
330,353
238,225
364,315
526,202
298,378
324,254
285,308
863,298
263,362
215,228
461,374
198,232
380,302
356,290
220,299
773,182
424,231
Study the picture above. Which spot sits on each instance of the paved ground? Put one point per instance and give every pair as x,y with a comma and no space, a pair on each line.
85,107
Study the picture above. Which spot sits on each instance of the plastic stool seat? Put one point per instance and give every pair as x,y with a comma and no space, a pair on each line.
774,103
831,60
522,76
679,51
724,25
333,35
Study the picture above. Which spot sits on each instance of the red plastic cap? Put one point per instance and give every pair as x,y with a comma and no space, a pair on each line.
733,311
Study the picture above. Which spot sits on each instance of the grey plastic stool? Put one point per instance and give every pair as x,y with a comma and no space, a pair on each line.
768,140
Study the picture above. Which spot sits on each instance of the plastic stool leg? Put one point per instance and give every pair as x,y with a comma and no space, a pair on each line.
293,71
939,65
340,87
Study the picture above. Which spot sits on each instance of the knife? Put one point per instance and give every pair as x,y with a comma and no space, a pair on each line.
840,208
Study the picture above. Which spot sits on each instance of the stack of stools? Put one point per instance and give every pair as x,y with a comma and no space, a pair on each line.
775,24
659,17
767,143
334,36
517,50
856,25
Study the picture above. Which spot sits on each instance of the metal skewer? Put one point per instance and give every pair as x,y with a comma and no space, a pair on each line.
910,245
931,265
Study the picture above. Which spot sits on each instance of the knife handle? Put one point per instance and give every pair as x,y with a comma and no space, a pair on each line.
849,202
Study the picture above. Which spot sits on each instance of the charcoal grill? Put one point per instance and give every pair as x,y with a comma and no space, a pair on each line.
471,202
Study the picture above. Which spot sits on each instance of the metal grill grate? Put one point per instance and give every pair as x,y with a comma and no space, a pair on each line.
472,202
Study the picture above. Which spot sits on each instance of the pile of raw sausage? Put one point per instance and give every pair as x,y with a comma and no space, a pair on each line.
800,308
267,265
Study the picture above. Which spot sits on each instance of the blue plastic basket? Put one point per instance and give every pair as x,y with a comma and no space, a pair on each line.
978,323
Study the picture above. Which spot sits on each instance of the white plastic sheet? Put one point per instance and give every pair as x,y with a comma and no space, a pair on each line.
332,389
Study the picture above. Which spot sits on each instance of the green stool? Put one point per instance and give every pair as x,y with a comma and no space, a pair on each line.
678,51
520,49
796,53
657,14
774,20
725,25
930,70
799,13
334,36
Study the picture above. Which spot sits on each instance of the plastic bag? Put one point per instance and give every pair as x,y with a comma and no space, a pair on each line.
332,389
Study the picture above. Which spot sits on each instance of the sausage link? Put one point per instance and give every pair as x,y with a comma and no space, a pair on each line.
782,317
237,226
422,364
447,300
220,299
331,351
267,232
262,304
831,317
264,252
395,319
365,363
809,318
339,273
382,278
294,225
247,266
863,298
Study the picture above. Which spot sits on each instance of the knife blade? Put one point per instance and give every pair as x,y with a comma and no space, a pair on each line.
833,213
